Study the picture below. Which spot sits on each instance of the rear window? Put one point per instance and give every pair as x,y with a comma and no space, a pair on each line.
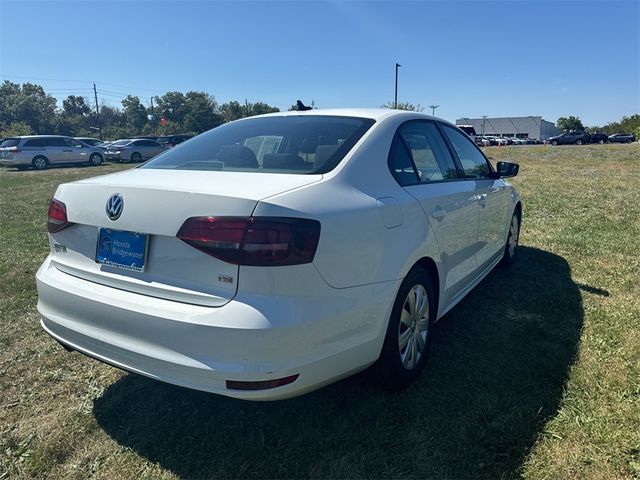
289,144
10,142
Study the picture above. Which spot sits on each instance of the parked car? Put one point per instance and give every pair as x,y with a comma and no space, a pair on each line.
622,138
566,138
171,141
41,151
238,263
132,150
483,142
94,142
599,138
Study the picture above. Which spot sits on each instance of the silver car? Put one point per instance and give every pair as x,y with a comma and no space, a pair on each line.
135,150
40,151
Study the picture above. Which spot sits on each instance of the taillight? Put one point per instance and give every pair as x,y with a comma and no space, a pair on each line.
254,241
57,216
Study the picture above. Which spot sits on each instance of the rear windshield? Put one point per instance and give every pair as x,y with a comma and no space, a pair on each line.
10,142
288,144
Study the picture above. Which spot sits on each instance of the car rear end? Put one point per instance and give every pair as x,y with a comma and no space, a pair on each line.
191,276
13,154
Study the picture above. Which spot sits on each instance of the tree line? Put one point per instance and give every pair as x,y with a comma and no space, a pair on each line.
629,124
26,109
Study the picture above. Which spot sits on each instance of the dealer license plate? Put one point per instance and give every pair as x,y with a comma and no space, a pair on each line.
120,249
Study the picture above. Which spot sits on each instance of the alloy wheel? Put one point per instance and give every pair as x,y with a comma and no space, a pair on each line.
413,327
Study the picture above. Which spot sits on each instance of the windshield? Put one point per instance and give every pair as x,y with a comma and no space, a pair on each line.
10,142
284,144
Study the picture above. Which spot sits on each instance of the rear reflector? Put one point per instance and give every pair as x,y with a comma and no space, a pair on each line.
254,241
262,385
57,217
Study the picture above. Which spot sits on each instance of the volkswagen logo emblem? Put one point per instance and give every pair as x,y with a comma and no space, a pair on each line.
114,206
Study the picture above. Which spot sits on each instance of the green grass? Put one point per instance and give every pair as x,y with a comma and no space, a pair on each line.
536,374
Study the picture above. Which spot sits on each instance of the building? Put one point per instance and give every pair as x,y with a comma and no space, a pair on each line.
520,127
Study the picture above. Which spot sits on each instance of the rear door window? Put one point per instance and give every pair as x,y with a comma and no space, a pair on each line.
55,142
419,155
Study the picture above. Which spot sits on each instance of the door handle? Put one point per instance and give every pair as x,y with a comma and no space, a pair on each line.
438,213
67,150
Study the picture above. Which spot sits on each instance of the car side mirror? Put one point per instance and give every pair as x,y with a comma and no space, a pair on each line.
507,169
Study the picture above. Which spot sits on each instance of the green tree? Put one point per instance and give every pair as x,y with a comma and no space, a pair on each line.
29,104
15,129
404,106
260,108
201,112
134,113
231,111
173,107
567,124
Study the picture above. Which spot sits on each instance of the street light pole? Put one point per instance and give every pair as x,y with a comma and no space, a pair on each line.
433,109
484,119
395,98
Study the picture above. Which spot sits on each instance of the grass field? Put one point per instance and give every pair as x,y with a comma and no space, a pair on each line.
536,374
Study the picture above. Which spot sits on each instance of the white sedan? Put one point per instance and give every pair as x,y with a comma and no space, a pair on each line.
276,254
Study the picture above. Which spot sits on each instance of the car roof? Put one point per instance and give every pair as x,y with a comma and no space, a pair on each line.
372,113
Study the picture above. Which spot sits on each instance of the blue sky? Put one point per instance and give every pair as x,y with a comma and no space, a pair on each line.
505,58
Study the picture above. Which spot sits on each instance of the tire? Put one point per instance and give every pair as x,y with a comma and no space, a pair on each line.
578,142
601,142
511,246
554,143
136,157
40,163
629,140
400,365
95,159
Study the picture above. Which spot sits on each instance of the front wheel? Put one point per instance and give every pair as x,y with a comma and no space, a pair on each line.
554,143
601,142
136,157
408,338
511,247
629,140
578,142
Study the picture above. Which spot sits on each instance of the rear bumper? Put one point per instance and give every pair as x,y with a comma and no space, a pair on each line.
249,339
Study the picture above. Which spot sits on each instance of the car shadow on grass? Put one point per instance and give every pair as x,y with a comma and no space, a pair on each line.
498,367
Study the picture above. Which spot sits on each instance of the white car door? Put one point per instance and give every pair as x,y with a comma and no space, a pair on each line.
491,194
420,161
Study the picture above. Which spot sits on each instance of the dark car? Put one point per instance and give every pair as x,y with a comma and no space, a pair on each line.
599,138
622,138
570,138
170,141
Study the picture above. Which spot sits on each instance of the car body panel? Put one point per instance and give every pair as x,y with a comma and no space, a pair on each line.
322,320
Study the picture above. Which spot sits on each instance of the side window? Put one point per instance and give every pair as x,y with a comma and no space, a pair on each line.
35,142
73,143
473,162
55,142
419,155
429,153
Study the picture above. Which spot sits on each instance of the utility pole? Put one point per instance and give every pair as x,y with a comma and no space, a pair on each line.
433,109
153,118
95,95
484,120
395,98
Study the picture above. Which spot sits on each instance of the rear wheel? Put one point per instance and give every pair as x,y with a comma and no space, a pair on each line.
40,163
554,143
408,338
629,140
601,141
136,157
578,142
95,159
511,247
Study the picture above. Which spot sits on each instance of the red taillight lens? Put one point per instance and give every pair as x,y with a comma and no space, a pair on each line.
254,241
57,216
